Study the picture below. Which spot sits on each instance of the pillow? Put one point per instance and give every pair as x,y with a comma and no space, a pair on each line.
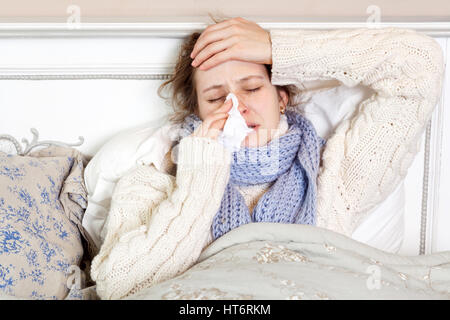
42,201
383,226
114,159
325,103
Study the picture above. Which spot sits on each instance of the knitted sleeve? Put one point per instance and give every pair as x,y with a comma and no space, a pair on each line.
158,224
369,154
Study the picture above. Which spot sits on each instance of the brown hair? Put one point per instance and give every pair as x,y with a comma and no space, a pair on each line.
184,94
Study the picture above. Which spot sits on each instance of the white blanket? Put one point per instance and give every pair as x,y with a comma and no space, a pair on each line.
288,261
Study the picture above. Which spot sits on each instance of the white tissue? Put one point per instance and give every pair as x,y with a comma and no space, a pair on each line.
235,129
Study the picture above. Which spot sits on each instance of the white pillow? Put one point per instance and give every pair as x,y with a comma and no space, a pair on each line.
324,106
383,226
118,156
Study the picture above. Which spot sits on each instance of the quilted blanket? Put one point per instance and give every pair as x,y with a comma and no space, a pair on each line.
289,261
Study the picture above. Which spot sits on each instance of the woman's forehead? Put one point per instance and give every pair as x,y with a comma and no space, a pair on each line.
230,71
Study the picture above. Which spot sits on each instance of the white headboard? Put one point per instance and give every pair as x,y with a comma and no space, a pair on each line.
99,79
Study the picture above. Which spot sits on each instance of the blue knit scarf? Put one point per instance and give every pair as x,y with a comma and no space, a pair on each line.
291,160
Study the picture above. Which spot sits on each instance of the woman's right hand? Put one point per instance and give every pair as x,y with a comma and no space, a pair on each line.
232,39
213,124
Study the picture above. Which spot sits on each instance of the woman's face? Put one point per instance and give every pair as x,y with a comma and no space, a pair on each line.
259,100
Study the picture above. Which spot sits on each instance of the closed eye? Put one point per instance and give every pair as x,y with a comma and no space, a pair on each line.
249,90
215,100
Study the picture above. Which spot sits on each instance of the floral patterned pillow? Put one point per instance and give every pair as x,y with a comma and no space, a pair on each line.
42,202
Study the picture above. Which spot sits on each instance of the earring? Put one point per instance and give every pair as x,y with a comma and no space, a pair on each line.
283,110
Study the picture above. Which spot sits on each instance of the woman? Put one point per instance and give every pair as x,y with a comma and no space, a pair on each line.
160,221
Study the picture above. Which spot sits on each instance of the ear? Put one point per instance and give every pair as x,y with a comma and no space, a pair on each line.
283,97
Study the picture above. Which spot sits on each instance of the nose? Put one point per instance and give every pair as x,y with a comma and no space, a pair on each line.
242,107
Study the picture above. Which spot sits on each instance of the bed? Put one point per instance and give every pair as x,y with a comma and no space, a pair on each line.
83,87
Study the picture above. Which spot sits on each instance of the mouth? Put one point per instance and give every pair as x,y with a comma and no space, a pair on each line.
253,126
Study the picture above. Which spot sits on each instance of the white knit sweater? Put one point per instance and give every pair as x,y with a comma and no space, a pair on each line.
159,224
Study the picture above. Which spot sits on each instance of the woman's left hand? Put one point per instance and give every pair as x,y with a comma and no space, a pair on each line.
232,39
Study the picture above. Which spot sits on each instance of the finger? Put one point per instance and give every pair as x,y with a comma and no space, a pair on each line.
213,117
213,48
216,128
214,27
209,36
217,59
203,129
221,24
226,106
